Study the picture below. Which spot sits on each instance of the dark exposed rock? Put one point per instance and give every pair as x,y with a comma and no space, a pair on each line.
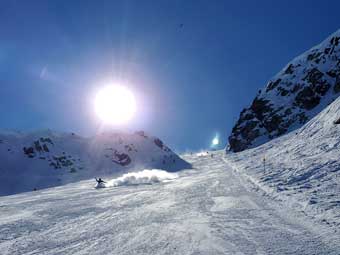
62,161
327,50
122,159
288,112
46,140
290,69
272,85
307,99
336,87
260,106
314,77
283,92
296,88
273,123
29,152
314,56
331,73
37,146
335,41
159,143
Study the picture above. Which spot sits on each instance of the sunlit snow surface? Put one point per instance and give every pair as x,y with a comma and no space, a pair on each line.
209,209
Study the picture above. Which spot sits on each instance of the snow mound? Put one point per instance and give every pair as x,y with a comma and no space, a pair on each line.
143,177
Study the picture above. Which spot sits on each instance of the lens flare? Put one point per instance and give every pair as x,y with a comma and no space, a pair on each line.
115,105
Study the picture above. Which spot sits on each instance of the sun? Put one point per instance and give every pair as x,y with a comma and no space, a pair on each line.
115,104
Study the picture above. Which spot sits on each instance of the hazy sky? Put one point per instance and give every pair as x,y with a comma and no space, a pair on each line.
193,65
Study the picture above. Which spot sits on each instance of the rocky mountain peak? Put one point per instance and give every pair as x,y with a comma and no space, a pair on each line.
297,93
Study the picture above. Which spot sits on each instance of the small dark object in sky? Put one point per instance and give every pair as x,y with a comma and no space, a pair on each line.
181,25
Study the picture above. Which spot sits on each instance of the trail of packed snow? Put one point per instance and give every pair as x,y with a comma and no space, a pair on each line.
207,210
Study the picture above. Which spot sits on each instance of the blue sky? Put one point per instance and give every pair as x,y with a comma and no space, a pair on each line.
191,81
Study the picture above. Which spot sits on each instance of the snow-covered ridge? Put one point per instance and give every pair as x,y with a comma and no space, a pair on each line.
302,167
302,89
44,159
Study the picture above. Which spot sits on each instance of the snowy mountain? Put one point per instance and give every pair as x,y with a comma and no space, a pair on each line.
301,168
45,159
292,97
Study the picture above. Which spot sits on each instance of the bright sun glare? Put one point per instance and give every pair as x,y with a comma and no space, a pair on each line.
115,105
215,141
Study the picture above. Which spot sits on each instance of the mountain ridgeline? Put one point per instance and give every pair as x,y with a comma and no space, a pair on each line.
297,93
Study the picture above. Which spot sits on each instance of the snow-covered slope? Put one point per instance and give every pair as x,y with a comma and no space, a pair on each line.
45,158
296,94
302,168
207,210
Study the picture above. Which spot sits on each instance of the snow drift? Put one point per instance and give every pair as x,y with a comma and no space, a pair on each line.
143,177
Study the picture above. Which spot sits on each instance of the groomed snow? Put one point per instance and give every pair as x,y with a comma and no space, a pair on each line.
209,209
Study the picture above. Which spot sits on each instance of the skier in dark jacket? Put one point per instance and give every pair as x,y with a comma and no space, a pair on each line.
100,180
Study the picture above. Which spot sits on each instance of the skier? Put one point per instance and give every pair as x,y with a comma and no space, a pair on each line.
100,181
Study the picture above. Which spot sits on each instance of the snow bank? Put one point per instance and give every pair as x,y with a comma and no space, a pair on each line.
143,177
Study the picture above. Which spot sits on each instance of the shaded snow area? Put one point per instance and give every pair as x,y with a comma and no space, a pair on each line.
209,209
142,177
301,168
